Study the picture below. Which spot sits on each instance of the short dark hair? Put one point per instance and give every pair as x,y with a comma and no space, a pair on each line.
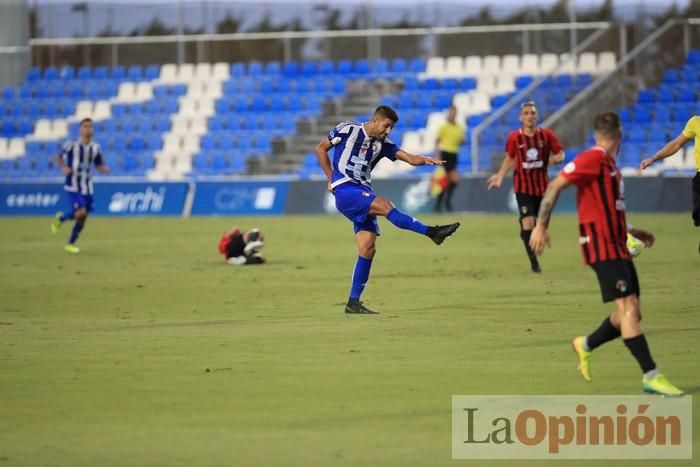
607,124
387,112
88,119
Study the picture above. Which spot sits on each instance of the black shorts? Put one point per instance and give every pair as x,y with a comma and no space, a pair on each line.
528,205
617,279
235,246
450,160
696,199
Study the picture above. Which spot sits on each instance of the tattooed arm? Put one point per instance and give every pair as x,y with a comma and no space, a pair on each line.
540,238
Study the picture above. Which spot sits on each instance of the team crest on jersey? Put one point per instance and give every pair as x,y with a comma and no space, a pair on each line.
570,167
621,285
523,209
532,154
365,194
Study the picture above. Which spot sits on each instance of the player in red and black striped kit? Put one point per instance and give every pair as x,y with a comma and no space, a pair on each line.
529,152
603,231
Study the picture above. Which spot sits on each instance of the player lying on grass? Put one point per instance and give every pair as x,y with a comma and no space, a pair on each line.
241,248
603,237
357,148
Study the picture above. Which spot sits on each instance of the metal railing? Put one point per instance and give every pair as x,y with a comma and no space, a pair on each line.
289,45
572,122
521,95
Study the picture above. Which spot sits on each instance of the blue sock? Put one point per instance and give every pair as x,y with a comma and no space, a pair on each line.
403,221
359,277
77,228
67,215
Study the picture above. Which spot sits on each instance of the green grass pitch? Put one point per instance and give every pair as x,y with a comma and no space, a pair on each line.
104,355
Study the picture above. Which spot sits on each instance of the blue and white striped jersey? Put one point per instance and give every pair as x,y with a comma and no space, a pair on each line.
355,154
80,158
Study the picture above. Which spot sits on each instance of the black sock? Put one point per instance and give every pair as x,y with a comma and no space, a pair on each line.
525,235
640,349
438,201
450,189
605,333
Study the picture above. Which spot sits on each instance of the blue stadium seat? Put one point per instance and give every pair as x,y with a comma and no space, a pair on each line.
134,73
361,68
84,72
237,70
309,68
273,68
646,96
399,66
410,83
66,73
666,94
118,73
381,67
326,67
637,135
34,74
417,65
693,57
642,115
686,94
564,81
50,73
255,69
661,114
101,72
155,142
430,84
344,67
290,69
523,81
671,76
152,72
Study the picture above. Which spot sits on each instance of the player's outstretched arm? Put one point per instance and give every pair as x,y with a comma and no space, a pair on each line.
495,180
417,160
64,168
557,158
322,156
668,150
540,238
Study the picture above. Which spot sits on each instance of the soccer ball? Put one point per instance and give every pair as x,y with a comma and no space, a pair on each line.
634,245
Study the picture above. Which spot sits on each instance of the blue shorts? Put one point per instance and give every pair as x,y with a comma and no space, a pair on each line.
78,201
354,200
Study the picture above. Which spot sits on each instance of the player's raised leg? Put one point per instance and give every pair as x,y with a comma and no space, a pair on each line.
383,207
80,219
366,246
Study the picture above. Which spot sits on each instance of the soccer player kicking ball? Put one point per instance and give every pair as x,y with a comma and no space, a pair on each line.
603,232
358,147
76,161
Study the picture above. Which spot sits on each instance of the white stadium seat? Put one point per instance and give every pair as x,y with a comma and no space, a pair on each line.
59,129
480,103
568,65
83,110
190,143
491,64
454,67
185,72
198,126
606,62
144,92
435,121
3,148
168,73
127,92
486,84
16,147
171,143
202,71
221,71
205,108
188,107
411,142
42,129
548,62
511,64
530,64
102,111
435,67
505,83
472,65
587,63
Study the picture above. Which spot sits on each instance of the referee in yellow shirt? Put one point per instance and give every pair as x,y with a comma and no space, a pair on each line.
449,137
689,133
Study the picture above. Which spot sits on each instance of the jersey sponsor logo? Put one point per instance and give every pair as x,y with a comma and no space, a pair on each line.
533,165
570,167
532,154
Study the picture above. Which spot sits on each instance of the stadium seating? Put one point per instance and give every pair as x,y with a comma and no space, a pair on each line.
211,119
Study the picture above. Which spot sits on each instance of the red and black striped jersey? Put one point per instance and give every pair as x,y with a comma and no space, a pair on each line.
600,203
531,154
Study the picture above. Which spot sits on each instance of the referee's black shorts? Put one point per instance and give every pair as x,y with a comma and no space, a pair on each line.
450,159
528,205
617,279
696,199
